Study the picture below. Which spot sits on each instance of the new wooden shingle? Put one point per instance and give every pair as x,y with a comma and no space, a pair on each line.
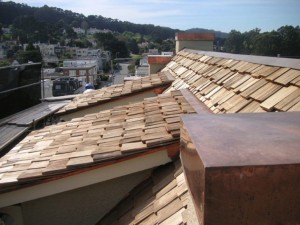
231,85
117,91
89,140
224,86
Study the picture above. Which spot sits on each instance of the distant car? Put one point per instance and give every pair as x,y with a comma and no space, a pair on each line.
65,86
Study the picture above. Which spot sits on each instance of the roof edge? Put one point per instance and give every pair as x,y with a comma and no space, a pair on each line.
104,101
140,162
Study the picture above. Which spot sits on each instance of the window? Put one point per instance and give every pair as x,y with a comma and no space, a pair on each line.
72,73
82,72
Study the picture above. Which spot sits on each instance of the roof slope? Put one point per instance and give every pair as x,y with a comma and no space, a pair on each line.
116,91
161,199
225,85
229,85
93,139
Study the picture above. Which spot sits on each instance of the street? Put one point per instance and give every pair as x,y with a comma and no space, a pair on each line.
120,74
117,79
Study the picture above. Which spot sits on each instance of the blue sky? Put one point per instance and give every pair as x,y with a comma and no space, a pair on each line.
222,15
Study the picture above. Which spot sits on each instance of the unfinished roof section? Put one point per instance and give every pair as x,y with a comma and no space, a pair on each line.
14,126
161,199
229,83
94,139
117,91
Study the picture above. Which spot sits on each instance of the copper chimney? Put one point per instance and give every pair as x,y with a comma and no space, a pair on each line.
243,168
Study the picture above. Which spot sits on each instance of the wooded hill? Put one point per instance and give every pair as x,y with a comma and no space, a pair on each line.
11,12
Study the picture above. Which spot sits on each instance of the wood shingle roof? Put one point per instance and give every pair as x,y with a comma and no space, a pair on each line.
93,139
116,91
224,85
228,85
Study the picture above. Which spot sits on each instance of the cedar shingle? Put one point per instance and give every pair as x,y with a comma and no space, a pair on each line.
98,137
270,102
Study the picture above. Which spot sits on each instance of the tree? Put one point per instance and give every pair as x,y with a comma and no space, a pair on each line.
267,44
4,63
75,23
290,40
30,47
1,32
131,69
132,46
31,54
71,33
249,40
234,42
85,26
109,42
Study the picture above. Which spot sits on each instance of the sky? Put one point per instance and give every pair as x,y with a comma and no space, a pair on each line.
220,15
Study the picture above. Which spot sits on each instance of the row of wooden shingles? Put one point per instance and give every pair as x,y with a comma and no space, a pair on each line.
249,86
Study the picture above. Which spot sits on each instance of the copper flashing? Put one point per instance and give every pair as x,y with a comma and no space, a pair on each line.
199,107
243,168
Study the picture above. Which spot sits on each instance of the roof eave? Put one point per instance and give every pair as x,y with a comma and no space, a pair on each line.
89,175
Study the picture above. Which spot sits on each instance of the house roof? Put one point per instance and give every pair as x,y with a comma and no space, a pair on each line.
94,139
117,91
224,84
10,133
163,198
33,114
220,82
229,85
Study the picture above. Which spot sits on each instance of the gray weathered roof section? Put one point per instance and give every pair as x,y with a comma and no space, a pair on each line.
14,126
